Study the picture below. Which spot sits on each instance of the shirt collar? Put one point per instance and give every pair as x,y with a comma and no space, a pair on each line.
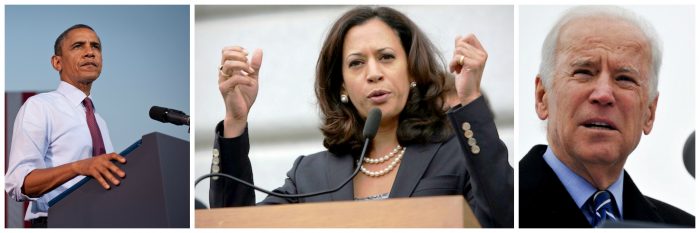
579,189
74,95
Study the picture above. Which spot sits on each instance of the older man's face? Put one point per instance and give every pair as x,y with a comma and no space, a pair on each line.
598,105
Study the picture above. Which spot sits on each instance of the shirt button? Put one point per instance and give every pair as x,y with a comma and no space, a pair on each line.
215,152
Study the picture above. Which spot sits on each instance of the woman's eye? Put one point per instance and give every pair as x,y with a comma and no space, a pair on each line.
387,57
354,63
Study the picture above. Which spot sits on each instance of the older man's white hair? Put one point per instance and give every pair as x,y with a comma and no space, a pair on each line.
549,47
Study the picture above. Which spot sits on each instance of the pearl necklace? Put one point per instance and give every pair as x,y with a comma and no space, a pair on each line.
384,158
387,169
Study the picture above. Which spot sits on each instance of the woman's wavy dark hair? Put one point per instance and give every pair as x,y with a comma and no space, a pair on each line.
422,119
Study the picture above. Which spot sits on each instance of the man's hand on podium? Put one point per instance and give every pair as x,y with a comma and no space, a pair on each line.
101,168
40,181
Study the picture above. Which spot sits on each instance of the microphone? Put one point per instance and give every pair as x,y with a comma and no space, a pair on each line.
167,115
689,154
369,131
372,124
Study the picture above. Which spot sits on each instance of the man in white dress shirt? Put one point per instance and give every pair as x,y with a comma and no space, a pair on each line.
58,138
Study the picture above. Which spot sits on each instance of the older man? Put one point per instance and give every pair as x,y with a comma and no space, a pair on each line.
597,89
58,138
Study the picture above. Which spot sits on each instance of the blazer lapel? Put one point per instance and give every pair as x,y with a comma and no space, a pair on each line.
635,206
339,168
544,201
415,160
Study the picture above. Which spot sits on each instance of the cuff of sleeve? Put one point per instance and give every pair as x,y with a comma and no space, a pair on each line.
472,124
221,139
476,110
16,192
230,151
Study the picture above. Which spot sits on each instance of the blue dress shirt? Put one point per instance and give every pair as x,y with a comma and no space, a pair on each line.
579,189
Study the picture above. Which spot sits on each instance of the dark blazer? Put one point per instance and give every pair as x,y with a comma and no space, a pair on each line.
485,178
544,202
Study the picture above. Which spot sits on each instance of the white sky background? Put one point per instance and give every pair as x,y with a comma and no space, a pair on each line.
656,166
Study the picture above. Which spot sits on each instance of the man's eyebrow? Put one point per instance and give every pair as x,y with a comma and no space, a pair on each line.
585,62
627,69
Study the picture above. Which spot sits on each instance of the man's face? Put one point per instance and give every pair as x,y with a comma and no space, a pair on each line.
598,105
81,57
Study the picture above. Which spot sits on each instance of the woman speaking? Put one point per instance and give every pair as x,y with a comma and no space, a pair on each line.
375,57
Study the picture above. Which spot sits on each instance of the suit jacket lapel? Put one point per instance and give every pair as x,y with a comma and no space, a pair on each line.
635,206
415,160
339,168
544,201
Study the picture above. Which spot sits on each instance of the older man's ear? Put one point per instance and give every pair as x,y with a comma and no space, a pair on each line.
650,115
541,99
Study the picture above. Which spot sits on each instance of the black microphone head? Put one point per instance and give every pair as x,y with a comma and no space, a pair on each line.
372,123
158,113
689,154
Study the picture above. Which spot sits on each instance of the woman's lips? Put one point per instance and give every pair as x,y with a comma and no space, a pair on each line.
380,99
379,96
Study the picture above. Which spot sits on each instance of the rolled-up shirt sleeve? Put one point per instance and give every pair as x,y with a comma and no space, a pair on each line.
28,148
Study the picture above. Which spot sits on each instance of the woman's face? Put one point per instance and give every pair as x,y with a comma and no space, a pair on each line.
375,69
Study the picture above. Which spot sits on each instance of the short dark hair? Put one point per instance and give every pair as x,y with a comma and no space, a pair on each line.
57,45
421,121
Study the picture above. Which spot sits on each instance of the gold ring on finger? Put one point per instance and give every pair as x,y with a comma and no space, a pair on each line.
221,71
461,60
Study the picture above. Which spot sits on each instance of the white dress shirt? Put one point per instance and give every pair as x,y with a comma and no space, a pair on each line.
50,130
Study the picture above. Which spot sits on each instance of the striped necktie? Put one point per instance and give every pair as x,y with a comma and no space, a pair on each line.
602,207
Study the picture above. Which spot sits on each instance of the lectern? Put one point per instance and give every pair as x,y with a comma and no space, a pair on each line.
442,211
154,193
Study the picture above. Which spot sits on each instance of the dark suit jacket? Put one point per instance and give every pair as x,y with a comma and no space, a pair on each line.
448,168
544,202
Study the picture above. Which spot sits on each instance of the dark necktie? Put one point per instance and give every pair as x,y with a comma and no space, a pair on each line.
602,207
98,146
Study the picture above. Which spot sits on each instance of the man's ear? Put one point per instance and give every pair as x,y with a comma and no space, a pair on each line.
56,63
650,115
541,99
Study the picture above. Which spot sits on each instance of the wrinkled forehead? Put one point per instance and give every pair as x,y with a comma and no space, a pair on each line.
616,38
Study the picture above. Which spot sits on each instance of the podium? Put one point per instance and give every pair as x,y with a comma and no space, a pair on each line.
154,193
439,211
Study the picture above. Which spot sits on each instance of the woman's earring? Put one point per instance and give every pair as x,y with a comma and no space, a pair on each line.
413,84
344,98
